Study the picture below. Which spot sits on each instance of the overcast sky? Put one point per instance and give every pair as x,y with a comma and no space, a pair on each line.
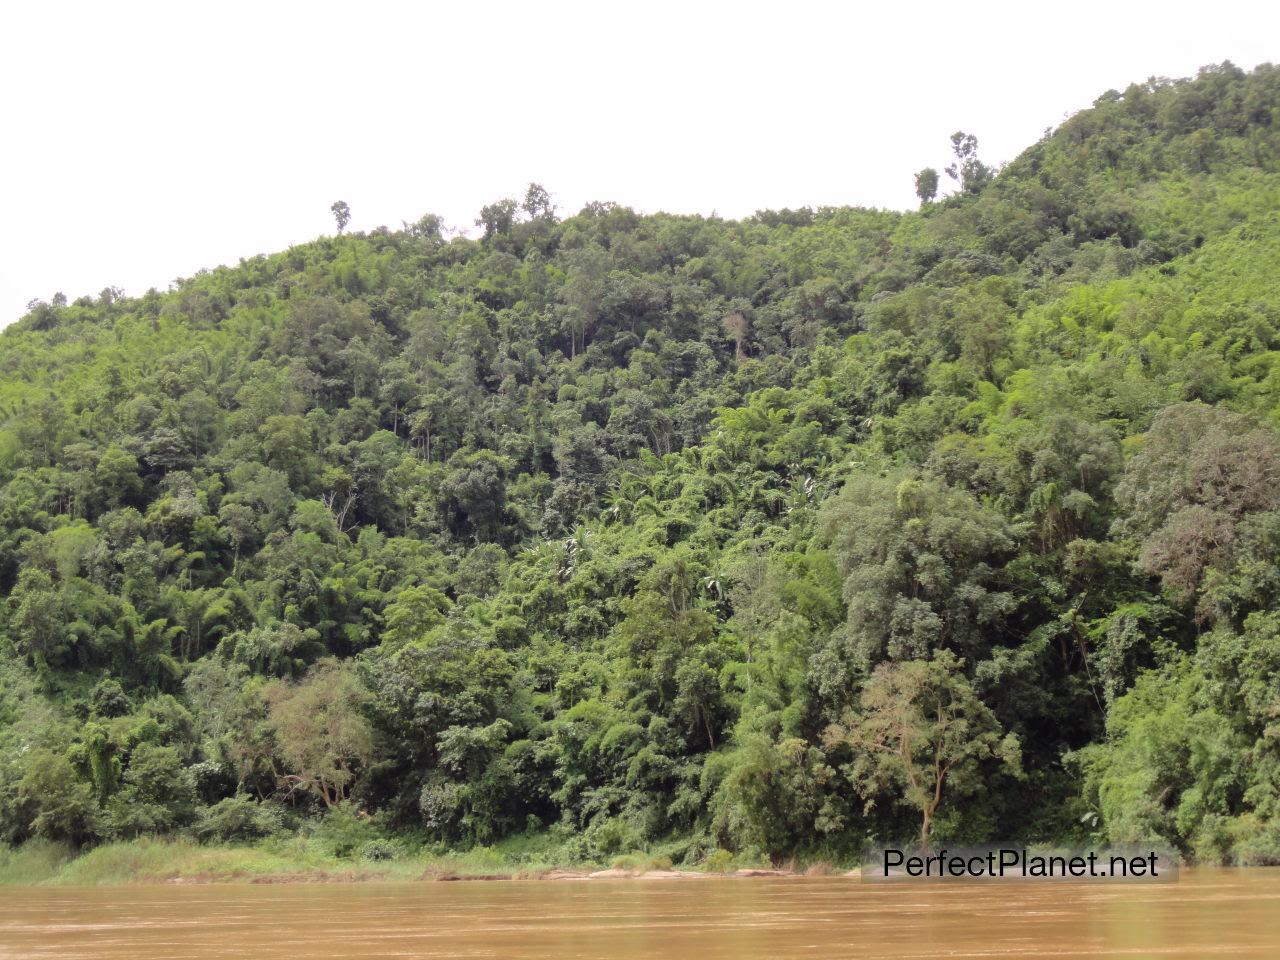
142,142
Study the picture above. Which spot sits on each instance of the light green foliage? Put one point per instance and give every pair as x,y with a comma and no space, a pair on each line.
156,793
590,528
56,803
924,731
771,796
237,818
320,730
1169,765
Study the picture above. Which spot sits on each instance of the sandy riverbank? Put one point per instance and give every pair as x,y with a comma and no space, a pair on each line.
556,873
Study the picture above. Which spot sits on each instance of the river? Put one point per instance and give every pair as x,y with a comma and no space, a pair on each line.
1205,914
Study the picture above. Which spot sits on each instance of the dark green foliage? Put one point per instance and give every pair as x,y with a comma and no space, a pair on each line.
927,184
640,528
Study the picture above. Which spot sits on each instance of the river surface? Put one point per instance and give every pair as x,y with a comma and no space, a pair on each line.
1205,914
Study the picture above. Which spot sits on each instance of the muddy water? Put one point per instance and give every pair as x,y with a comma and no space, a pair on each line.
1206,914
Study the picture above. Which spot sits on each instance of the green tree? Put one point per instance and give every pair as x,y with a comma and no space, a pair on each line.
537,203
1200,471
584,291
475,488
921,563
35,621
1170,766
58,805
967,170
773,796
157,794
322,734
923,734
927,184
341,214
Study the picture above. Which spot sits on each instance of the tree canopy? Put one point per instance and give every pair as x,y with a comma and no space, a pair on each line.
676,530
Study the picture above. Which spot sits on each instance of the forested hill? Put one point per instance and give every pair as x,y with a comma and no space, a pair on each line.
667,532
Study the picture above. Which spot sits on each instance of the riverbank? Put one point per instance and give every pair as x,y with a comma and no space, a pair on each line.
182,861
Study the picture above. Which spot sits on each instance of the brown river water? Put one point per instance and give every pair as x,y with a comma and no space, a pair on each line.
1206,914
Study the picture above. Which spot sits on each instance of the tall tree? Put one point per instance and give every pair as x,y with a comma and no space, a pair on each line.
927,184
922,730
967,170
341,214
321,731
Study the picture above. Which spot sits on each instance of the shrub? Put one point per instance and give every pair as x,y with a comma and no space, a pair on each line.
379,849
237,818
344,830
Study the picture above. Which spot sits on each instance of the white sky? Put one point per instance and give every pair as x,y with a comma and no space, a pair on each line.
142,142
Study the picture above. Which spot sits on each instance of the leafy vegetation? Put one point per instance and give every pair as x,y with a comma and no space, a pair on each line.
671,535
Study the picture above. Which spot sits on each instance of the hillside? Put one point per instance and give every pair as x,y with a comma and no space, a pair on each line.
677,534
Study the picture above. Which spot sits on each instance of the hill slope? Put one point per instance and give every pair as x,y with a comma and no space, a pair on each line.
678,533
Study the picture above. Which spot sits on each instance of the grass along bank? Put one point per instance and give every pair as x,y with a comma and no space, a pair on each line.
174,860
